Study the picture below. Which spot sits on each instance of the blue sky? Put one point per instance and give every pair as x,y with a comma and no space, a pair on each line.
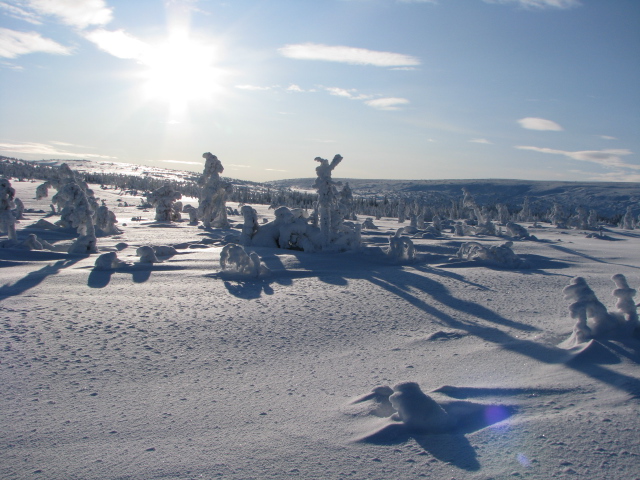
526,89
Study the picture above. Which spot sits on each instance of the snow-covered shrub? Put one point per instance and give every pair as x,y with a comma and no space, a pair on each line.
192,212
418,411
7,204
627,309
18,212
525,213
401,248
108,261
147,255
420,221
106,221
212,209
558,216
592,220
368,224
163,199
586,308
234,259
250,226
581,219
436,221
498,255
402,211
42,191
515,230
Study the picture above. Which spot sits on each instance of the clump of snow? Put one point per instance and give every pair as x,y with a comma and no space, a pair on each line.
147,254
498,255
516,230
368,224
212,208
401,248
108,261
418,411
163,199
235,260
164,251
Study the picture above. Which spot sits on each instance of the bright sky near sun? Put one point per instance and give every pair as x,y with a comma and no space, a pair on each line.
403,89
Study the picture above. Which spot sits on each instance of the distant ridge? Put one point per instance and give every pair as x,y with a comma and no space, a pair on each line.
607,198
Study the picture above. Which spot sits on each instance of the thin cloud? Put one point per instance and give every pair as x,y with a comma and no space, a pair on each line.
539,4
481,140
389,103
14,43
607,137
252,87
350,94
118,43
350,55
534,123
18,13
182,162
81,14
44,149
607,158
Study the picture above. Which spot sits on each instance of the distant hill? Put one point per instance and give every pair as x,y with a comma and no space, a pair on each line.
608,198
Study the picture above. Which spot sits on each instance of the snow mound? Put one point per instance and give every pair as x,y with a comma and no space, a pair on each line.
235,260
496,255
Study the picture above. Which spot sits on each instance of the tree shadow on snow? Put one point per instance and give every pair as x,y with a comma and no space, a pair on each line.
589,257
33,279
140,273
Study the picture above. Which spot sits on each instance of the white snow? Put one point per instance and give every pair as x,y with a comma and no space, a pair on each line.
170,370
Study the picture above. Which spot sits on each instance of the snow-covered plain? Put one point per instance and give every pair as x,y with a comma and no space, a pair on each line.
174,370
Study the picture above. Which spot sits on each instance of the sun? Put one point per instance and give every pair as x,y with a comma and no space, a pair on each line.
181,70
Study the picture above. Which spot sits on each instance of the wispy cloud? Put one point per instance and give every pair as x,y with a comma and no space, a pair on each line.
607,137
253,87
81,14
19,13
44,149
534,123
350,94
481,140
618,176
118,43
607,158
183,162
389,103
14,44
351,55
539,4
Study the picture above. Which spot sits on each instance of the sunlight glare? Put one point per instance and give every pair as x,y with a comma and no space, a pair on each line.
180,71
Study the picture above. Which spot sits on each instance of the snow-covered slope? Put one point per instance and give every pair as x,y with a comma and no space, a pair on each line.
175,371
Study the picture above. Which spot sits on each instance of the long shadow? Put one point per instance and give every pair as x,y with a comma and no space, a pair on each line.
140,273
35,278
589,257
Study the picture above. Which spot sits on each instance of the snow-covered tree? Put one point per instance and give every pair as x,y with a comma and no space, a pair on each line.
250,226
212,209
19,210
106,221
401,248
525,213
503,214
626,306
163,200
592,220
628,222
7,204
586,308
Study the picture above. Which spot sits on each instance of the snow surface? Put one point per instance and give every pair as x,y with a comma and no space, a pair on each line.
171,370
